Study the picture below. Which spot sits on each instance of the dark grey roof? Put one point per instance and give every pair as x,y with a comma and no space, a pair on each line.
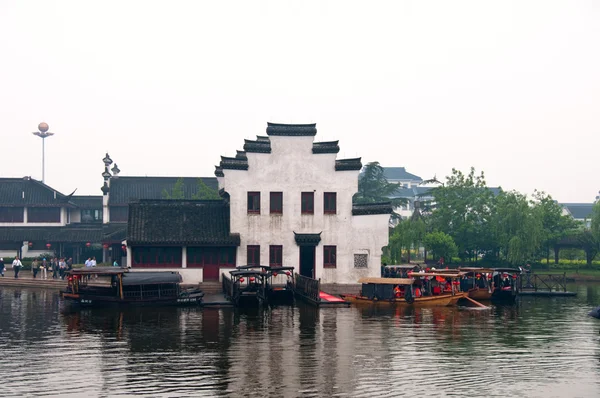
307,239
399,173
233,163
291,130
180,222
348,164
76,233
219,172
29,192
261,145
87,202
127,189
410,192
326,147
371,208
150,278
579,211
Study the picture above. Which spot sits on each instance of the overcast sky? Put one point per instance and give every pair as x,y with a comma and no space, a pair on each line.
166,87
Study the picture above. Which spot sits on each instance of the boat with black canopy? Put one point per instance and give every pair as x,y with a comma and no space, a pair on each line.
505,284
246,286
279,284
101,286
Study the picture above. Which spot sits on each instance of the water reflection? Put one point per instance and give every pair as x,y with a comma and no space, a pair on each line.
545,347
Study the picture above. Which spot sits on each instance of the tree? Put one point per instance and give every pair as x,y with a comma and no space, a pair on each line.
463,206
205,192
440,245
176,192
373,187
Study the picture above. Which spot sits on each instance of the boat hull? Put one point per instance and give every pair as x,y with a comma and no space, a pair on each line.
444,300
480,294
102,301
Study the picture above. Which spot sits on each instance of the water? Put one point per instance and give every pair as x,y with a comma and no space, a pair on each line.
541,347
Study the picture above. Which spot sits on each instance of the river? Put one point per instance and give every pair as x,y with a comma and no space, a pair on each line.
540,347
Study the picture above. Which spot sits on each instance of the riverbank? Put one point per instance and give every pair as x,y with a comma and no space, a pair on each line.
26,280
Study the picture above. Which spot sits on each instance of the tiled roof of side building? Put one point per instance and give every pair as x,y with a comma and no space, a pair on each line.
292,130
579,211
127,189
399,173
365,209
87,202
29,192
180,222
71,233
348,164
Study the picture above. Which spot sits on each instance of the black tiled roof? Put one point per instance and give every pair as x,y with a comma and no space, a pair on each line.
233,163
326,147
579,211
70,233
371,208
180,222
261,145
29,192
292,130
219,172
307,239
87,202
127,189
114,232
348,164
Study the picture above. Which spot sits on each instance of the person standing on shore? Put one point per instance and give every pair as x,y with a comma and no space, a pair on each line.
35,267
16,266
54,263
44,269
2,267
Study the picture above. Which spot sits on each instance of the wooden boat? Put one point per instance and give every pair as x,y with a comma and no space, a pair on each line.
505,284
279,284
246,286
383,291
476,281
102,286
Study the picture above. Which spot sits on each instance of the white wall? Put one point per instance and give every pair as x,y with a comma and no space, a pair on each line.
292,168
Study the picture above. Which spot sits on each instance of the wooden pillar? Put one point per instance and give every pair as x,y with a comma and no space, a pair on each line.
184,257
556,253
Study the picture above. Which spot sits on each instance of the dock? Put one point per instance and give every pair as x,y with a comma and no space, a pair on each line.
544,285
309,290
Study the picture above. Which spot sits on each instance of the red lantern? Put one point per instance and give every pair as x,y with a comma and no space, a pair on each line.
105,245
251,279
288,273
88,244
274,273
124,247
241,280
30,244
514,276
48,245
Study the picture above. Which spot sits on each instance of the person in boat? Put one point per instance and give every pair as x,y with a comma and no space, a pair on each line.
397,291
505,281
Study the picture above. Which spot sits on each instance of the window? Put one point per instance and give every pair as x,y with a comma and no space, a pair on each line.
11,214
329,256
275,256
43,214
276,202
253,253
253,202
157,257
308,203
361,260
89,215
329,203
201,256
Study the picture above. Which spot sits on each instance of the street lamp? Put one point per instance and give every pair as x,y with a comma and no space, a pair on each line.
43,133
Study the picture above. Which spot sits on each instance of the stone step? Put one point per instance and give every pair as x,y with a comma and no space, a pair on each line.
211,287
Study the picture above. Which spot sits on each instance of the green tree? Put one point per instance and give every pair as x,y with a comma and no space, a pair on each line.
555,225
176,192
205,192
463,206
373,187
440,245
589,238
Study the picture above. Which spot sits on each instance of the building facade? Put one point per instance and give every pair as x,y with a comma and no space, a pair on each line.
290,200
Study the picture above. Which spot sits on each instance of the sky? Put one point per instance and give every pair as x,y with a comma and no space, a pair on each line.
511,88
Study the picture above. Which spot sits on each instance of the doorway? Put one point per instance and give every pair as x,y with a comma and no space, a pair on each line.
307,261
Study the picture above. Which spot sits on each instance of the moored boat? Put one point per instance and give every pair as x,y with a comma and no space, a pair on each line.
404,291
476,281
103,286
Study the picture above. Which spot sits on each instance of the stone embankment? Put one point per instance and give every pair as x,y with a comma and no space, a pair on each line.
26,279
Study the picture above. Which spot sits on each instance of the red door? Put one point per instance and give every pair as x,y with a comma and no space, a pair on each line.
211,265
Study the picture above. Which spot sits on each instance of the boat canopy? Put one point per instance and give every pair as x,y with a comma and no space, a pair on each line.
477,270
246,273
442,274
508,270
403,266
387,281
242,267
278,269
98,271
150,278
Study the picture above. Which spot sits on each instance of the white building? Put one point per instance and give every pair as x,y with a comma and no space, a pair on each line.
291,203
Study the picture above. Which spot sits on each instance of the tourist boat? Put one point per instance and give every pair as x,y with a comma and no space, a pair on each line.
399,271
476,281
279,284
246,286
505,284
408,291
100,286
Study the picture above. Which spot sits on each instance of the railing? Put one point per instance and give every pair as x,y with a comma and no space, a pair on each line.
228,286
308,287
544,282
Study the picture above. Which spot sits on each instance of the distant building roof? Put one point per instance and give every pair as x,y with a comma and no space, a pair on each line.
399,173
579,211
29,192
124,190
424,191
87,202
180,222
71,233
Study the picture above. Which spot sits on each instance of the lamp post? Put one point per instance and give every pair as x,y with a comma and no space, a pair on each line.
43,133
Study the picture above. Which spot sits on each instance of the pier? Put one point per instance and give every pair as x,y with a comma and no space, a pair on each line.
544,285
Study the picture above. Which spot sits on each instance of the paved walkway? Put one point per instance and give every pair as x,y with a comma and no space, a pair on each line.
26,279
